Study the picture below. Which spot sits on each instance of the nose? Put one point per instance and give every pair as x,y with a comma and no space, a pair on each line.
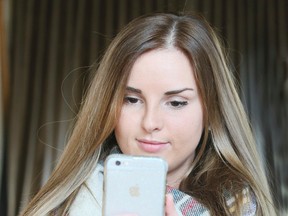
152,119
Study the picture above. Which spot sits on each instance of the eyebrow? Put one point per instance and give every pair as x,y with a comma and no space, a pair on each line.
178,91
134,90
138,91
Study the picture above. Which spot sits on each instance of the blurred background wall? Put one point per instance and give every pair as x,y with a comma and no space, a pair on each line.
48,46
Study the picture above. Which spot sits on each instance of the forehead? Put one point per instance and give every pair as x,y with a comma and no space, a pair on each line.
170,66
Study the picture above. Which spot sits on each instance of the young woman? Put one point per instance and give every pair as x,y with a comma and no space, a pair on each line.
163,88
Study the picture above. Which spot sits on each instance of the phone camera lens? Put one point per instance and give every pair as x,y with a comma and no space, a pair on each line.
117,163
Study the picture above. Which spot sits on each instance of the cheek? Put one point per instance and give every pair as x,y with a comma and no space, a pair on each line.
120,136
192,116
120,129
188,127
124,127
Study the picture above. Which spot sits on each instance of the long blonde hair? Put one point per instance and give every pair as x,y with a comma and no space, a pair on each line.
226,158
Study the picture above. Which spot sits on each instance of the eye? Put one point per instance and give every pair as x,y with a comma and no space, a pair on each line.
131,100
178,104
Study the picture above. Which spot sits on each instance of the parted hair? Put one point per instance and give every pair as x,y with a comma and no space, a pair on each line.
226,156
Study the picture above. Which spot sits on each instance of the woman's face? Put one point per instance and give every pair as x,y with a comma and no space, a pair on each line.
162,113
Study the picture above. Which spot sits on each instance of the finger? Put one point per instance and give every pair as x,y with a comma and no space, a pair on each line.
170,207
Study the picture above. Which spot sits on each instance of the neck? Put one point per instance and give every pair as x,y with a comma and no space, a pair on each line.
175,177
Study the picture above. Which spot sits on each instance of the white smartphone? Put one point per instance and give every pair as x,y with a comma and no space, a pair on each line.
134,185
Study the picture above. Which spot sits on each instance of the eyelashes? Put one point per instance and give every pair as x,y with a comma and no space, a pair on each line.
176,104
131,100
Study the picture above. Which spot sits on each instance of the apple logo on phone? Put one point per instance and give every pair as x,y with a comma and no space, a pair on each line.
134,191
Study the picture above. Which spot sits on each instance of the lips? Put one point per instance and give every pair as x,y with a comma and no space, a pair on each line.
151,146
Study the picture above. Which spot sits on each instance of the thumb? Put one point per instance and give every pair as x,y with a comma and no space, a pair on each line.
170,207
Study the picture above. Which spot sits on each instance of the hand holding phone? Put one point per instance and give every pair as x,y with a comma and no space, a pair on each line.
134,185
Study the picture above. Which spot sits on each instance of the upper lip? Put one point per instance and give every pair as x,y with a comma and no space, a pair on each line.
151,142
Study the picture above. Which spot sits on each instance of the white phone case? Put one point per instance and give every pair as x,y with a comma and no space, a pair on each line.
134,185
